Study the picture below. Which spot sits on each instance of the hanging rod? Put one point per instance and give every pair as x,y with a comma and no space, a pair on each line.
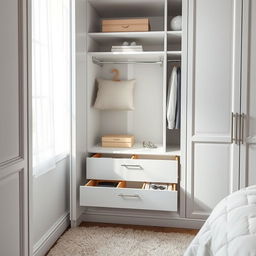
100,63
173,60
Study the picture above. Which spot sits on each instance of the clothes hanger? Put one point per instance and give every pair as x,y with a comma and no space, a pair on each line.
116,76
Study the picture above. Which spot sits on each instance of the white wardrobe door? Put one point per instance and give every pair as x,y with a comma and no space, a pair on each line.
248,148
213,94
13,129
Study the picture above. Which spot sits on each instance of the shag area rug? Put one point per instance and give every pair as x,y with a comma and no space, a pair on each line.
115,241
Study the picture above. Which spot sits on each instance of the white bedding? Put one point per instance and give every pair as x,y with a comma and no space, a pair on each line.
230,229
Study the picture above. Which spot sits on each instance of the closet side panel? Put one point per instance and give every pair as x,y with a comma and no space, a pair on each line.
79,102
213,94
248,147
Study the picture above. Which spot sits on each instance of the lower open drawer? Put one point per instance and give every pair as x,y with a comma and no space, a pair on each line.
130,195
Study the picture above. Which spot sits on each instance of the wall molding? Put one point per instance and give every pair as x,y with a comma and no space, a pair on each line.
140,218
45,243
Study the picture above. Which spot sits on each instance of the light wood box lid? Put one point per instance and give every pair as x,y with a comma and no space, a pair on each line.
118,138
125,22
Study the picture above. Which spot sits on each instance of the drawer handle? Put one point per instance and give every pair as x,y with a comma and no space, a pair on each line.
125,26
132,166
130,196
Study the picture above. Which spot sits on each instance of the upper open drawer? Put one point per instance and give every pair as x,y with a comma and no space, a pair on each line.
132,169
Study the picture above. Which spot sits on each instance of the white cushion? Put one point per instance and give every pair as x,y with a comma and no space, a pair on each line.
115,95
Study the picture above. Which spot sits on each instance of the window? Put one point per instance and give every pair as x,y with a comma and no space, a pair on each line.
50,82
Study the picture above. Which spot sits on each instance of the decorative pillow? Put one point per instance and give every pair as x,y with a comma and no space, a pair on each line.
115,95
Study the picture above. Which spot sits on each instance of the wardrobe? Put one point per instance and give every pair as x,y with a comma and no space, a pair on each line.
221,102
213,152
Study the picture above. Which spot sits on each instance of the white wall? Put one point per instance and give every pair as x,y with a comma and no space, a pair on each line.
50,202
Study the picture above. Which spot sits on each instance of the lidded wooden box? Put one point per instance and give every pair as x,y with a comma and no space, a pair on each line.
117,141
125,25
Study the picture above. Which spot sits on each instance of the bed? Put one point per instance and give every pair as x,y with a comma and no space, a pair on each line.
230,229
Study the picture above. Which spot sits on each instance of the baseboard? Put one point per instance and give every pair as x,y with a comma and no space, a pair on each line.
139,218
76,223
51,236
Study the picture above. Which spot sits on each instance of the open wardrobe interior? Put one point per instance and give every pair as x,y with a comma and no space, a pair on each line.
144,106
127,127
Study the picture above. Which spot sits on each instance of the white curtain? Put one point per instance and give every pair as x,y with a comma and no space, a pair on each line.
50,83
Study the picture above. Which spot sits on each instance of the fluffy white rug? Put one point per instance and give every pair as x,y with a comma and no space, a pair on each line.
106,241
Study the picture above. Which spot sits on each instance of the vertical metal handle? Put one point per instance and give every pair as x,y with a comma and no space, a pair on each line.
237,117
234,130
242,120
232,127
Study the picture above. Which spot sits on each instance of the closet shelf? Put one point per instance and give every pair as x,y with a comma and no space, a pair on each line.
127,56
151,37
137,149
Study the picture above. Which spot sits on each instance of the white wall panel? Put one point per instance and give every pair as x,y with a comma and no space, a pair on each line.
11,86
13,129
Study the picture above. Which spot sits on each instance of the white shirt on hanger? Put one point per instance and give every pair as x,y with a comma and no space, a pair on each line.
172,99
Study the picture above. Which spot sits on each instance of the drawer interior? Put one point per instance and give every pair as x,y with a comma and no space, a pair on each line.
103,183
131,185
149,157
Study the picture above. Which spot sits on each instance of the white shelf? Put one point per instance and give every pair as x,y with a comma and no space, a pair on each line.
137,149
174,37
117,38
127,56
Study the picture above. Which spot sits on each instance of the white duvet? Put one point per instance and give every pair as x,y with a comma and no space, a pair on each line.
230,229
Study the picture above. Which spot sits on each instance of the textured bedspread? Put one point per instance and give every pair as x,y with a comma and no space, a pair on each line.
230,229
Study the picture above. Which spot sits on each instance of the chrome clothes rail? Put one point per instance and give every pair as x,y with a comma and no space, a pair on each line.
101,62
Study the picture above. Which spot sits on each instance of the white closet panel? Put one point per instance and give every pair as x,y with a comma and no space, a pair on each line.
13,129
248,145
213,94
211,176
10,85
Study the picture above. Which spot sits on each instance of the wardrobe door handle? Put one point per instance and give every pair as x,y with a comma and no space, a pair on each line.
234,130
232,127
242,118
132,166
237,117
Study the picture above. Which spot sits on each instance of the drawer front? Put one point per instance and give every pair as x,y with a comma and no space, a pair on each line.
125,28
144,170
128,198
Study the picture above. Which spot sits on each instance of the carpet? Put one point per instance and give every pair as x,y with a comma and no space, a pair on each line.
115,241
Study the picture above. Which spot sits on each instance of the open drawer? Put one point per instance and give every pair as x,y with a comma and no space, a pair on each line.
130,195
139,168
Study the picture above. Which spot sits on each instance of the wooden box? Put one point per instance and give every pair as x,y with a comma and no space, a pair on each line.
117,141
125,25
